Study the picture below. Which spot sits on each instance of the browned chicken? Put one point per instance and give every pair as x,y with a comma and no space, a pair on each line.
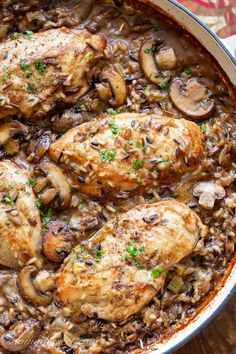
122,267
40,70
119,154
20,224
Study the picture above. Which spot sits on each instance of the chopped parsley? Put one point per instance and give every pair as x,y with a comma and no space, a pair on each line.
133,250
40,66
156,272
161,160
46,215
79,107
173,285
130,142
28,74
114,127
82,249
107,155
14,35
38,203
163,85
6,198
152,49
6,76
24,66
99,254
138,265
7,223
28,34
30,87
81,206
59,250
140,146
175,194
187,70
74,258
32,182
113,111
137,164
203,128
83,337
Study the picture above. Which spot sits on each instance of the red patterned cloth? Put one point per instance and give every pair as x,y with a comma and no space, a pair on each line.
219,15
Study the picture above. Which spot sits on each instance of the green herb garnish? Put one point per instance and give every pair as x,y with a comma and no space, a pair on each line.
187,70
114,127
175,194
152,49
140,146
107,155
161,160
113,111
32,182
46,215
6,198
38,203
6,76
30,87
40,66
156,272
137,164
79,107
99,254
203,128
28,34
14,35
163,85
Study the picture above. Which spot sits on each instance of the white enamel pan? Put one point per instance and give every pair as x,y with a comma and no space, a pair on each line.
223,52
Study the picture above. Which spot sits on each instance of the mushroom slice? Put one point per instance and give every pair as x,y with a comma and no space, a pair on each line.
27,288
117,87
166,58
9,129
148,60
191,98
57,241
21,335
208,193
58,181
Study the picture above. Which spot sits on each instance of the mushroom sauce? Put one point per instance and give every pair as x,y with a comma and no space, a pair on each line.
149,66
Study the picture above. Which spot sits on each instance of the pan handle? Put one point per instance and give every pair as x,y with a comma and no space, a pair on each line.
230,43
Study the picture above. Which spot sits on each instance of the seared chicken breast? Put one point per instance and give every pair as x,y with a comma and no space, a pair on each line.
124,265
20,224
121,153
40,70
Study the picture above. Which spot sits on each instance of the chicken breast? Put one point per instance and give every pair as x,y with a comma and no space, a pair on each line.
122,267
118,154
40,70
20,223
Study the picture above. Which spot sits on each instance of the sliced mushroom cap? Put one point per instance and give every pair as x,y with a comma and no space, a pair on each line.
191,98
208,193
27,288
58,181
117,87
9,129
57,241
21,335
153,61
